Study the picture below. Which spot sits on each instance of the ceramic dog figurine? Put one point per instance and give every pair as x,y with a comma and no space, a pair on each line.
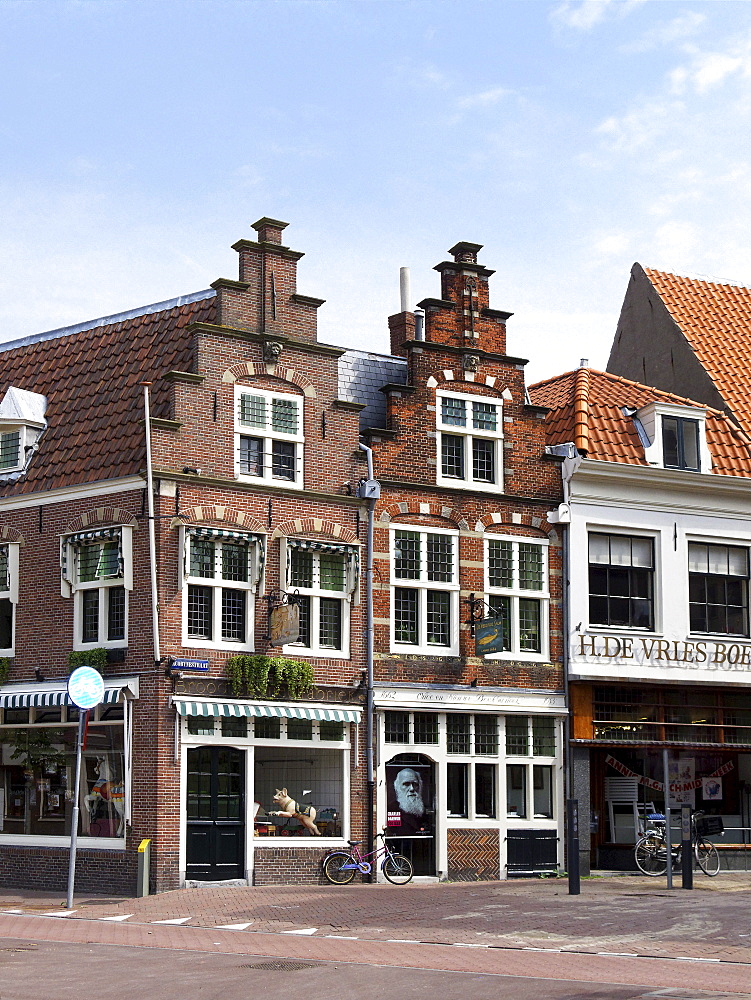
306,814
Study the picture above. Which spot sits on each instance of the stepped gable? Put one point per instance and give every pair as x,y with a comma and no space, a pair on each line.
587,408
716,321
91,377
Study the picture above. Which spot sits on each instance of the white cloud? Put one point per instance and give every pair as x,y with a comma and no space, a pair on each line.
640,125
677,241
677,30
583,16
612,244
485,99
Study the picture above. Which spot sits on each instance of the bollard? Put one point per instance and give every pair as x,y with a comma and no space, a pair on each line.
144,868
572,859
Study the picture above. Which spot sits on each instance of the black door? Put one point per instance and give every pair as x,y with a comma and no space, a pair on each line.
216,814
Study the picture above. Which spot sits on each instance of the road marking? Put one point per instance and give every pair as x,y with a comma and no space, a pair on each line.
302,930
556,951
618,954
689,958
461,944
403,941
120,916
177,920
342,937
59,913
232,927
21,911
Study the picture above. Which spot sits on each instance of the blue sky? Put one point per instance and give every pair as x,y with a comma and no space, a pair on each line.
139,140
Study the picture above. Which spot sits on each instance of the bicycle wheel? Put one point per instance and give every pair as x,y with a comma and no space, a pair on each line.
334,870
397,869
707,857
651,855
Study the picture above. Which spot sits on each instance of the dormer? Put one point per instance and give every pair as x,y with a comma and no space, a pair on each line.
674,436
22,421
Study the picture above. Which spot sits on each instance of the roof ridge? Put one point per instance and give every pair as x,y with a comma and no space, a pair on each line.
93,324
697,279
581,409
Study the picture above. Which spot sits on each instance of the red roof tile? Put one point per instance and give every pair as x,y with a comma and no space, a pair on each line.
92,381
586,408
716,321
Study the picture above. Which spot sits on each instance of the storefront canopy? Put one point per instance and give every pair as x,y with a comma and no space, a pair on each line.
234,709
44,695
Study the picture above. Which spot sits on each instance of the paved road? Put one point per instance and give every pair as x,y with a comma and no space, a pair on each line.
622,938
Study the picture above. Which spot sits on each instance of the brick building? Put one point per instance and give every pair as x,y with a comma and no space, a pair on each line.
248,671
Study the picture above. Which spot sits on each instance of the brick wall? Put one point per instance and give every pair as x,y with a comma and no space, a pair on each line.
473,855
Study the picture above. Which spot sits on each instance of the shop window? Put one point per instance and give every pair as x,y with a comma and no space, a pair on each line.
269,436
621,581
313,778
486,734
543,791
331,732
458,727
221,573
406,727
517,593
267,729
456,790
517,735
8,596
718,588
37,770
97,570
533,738
299,729
425,591
200,725
516,791
396,725
425,727
485,790
543,736
323,577
470,441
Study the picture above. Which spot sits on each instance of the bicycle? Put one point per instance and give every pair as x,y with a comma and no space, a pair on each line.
651,853
340,867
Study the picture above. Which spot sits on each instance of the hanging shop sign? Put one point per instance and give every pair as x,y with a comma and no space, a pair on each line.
490,636
675,786
284,625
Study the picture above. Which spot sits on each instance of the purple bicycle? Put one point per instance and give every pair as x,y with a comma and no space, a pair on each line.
341,867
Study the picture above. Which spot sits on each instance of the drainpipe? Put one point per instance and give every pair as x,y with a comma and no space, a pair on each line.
152,533
369,489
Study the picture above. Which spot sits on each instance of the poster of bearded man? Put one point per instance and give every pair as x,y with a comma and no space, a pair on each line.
409,798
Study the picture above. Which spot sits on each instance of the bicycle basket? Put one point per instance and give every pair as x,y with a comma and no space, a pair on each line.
709,826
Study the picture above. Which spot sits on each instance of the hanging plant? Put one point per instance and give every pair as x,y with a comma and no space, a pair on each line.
269,677
4,669
96,658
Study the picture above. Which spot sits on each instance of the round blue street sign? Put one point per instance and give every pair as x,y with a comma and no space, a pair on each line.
86,687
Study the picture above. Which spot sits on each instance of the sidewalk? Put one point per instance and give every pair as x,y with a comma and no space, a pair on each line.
625,914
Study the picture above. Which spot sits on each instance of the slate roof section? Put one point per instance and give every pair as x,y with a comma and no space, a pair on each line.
587,408
716,321
361,375
91,376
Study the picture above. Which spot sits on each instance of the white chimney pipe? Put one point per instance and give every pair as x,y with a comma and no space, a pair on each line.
404,289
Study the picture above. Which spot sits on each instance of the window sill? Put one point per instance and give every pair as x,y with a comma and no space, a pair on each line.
84,647
292,484
84,843
469,484
192,642
321,654
425,650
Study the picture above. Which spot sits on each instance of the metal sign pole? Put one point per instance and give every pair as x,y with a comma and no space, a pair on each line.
82,716
668,844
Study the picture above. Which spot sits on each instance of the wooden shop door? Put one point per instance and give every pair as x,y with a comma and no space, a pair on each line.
215,847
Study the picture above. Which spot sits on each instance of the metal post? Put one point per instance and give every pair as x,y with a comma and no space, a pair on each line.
668,843
144,868
572,824
82,716
687,854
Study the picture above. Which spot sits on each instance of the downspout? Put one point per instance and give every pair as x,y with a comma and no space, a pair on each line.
369,490
152,532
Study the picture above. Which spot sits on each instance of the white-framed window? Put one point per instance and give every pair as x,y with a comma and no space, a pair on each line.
221,570
674,436
531,763
22,422
322,577
97,570
718,577
269,436
424,590
8,596
516,588
469,441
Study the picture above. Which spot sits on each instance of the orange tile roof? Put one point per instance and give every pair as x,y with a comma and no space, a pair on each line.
716,321
91,378
586,408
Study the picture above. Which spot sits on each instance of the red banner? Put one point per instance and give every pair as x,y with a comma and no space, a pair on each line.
658,786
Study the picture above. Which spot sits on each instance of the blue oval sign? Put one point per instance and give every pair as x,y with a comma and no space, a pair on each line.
86,687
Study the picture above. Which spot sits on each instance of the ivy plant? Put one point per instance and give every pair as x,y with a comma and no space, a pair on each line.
4,669
96,658
269,677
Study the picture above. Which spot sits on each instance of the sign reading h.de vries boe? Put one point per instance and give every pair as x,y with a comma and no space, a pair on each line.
699,654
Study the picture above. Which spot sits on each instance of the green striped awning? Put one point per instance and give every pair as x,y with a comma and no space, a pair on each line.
238,710
47,699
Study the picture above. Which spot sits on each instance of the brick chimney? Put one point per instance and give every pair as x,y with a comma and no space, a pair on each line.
462,317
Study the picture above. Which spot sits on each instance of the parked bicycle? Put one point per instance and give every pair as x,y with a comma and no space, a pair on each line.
341,867
651,850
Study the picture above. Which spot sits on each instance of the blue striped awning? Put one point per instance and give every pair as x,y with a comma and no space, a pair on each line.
239,710
47,699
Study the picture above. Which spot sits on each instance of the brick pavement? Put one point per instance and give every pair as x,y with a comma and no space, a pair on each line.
617,915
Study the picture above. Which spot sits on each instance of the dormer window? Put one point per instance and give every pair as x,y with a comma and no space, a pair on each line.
680,443
674,436
21,424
